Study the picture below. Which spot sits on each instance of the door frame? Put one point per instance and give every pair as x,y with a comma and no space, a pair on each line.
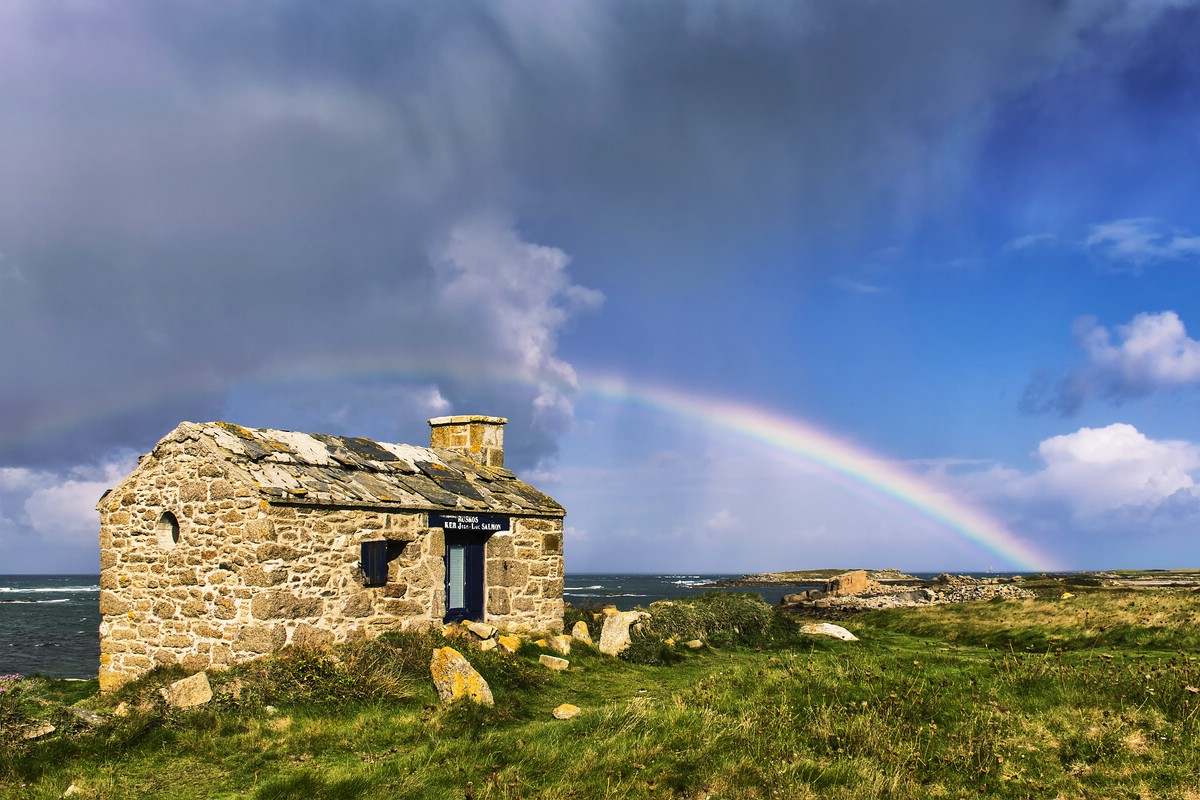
473,593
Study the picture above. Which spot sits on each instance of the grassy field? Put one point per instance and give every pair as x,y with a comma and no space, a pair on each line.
1093,696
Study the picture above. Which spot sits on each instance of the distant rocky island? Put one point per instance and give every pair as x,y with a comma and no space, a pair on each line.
845,592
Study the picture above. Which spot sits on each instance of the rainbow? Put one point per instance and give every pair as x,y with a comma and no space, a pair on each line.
842,458
858,466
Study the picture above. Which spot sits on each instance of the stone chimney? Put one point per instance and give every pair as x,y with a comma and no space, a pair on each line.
478,438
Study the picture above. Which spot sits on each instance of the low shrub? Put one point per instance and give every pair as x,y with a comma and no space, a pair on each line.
718,618
391,668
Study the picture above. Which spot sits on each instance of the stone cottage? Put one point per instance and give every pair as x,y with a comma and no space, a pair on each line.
226,543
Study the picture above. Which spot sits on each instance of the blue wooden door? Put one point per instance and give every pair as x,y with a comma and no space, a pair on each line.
464,577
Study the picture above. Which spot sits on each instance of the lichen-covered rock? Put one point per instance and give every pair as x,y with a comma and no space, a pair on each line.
189,692
565,711
614,636
553,662
509,643
560,644
694,644
455,678
579,632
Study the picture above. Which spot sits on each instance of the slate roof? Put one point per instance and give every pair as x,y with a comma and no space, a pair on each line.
318,469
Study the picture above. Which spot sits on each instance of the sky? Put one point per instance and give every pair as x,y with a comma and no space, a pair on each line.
759,285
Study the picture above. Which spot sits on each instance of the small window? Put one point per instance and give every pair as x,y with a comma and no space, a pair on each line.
374,562
167,530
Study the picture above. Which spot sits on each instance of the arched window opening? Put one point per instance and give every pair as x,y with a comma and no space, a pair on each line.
167,530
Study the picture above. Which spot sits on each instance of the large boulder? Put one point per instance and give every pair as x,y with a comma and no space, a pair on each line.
455,678
614,636
828,629
189,692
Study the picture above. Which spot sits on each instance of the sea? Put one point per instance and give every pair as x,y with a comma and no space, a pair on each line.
49,624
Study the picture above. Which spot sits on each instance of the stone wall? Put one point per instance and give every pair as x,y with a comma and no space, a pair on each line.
239,577
523,575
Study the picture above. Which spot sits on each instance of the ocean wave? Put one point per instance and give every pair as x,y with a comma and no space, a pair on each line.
33,602
19,590
580,588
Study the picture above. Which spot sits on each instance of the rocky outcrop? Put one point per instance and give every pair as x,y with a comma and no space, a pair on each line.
857,591
854,582
455,678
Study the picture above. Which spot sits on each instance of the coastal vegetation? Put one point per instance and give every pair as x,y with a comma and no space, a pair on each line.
1093,694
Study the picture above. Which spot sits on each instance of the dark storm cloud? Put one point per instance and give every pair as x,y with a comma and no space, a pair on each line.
197,192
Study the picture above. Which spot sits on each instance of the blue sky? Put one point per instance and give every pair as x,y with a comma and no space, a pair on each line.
959,236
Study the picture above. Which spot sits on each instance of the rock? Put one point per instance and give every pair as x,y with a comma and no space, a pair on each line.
565,711
827,629
1066,596
481,630
695,644
553,662
189,692
455,678
122,709
853,582
72,790
488,644
614,637
87,716
37,730
509,643
560,644
579,631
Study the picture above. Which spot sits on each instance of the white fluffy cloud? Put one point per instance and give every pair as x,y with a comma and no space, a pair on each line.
1150,353
1099,477
49,516
1103,468
516,297
1153,351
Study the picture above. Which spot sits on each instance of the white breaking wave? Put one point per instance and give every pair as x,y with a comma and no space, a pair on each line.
32,602
17,590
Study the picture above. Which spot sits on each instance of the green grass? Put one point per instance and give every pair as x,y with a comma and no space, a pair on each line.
1082,698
